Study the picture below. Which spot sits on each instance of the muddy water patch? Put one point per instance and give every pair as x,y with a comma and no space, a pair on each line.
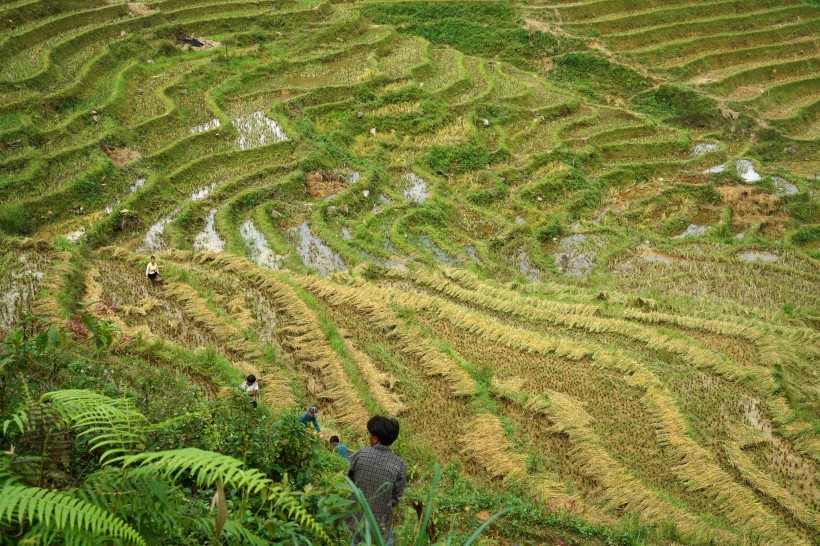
314,252
208,239
155,238
755,256
471,251
20,287
352,176
136,186
75,236
693,230
380,205
703,148
203,192
746,170
415,187
576,254
716,169
784,187
258,248
438,254
207,126
256,129
653,257
526,268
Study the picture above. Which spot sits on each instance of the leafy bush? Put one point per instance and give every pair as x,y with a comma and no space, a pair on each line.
679,105
551,229
596,75
476,28
458,158
806,235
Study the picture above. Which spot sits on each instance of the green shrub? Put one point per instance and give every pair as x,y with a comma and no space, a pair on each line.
458,158
679,105
596,75
806,235
551,229
475,28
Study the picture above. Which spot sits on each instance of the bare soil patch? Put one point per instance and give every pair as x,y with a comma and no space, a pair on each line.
321,184
139,10
123,156
744,93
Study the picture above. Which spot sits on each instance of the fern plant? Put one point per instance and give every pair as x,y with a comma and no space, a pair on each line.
133,496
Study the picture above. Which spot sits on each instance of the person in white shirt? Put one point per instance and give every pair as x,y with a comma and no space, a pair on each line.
251,388
152,271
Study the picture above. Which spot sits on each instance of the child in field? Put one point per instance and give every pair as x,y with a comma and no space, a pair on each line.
251,388
152,271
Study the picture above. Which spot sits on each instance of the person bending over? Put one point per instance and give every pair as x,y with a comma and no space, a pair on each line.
310,417
339,448
251,388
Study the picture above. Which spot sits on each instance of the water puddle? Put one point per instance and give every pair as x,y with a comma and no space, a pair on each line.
415,187
784,187
155,238
438,254
207,126
576,254
257,129
203,192
393,264
314,252
23,280
753,256
209,240
258,248
693,231
381,203
74,236
652,257
472,253
136,186
701,149
715,169
526,268
606,212
353,177
746,170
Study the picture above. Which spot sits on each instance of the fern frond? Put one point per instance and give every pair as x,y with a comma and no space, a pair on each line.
235,530
54,509
205,466
110,425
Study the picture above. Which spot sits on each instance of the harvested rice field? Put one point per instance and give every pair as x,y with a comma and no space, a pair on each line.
572,246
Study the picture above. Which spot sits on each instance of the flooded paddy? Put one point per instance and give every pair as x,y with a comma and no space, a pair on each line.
257,246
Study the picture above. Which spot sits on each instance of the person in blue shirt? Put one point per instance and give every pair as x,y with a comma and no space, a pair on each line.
310,417
339,448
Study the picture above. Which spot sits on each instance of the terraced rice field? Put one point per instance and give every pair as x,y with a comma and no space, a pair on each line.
572,245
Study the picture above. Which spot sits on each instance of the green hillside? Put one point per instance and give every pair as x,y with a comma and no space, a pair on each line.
572,246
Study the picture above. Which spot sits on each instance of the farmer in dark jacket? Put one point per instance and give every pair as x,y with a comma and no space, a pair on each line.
381,475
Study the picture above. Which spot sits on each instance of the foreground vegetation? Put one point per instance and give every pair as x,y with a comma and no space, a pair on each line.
571,246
